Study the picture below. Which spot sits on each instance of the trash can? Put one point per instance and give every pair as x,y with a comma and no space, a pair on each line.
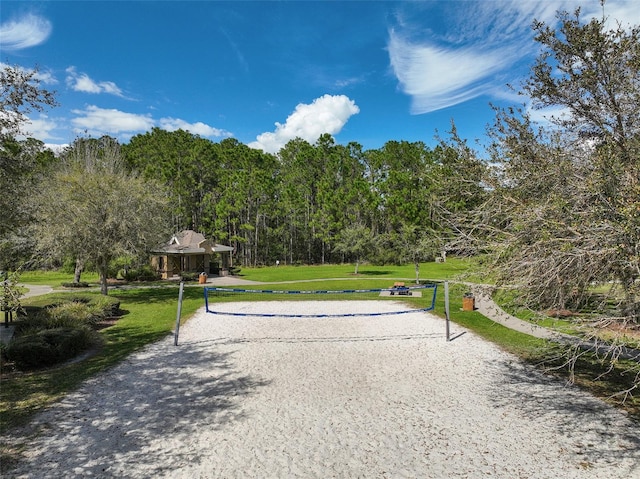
468,302
202,279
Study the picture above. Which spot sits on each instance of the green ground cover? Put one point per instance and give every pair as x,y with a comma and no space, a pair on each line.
55,278
452,268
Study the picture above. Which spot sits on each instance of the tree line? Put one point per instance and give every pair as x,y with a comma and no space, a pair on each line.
300,205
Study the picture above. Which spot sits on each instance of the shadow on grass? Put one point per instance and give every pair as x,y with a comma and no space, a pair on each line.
374,272
129,420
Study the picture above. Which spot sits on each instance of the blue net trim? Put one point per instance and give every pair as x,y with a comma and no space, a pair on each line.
310,292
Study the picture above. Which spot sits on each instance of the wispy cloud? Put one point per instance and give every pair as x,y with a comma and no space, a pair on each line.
327,114
27,31
83,83
439,77
479,48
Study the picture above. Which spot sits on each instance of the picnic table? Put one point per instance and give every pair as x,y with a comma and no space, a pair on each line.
400,288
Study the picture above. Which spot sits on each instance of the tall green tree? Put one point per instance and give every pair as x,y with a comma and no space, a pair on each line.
297,196
244,202
186,163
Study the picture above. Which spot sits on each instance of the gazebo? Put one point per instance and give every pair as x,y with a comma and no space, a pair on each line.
190,252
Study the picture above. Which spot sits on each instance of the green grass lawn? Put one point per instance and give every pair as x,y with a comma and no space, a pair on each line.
55,278
453,268
150,315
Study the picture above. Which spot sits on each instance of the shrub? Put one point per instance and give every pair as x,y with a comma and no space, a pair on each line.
72,314
106,304
186,277
49,346
143,273
81,284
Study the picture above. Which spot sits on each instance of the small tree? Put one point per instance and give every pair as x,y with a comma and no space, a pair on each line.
93,209
416,245
355,241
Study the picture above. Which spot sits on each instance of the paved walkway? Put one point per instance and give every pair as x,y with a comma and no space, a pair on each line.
488,308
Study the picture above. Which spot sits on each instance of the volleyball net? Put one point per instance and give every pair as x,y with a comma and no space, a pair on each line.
420,298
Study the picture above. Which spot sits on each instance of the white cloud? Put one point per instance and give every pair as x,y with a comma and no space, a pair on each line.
41,128
198,128
28,31
83,83
99,121
327,114
56,148
438,77
478,49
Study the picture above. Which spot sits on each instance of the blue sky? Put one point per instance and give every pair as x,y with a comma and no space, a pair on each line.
265,72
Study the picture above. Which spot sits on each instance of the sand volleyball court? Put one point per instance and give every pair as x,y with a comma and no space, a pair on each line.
354,397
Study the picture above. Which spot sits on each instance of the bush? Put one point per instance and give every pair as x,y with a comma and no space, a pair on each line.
56,332
74,311
106,304
143,273
81,284
73,314
187,277
49,346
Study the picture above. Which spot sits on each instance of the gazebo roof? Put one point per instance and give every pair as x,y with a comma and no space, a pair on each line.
220,248
192,242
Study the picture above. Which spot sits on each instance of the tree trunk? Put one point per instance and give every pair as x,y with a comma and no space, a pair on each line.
103,266
78,270
417,272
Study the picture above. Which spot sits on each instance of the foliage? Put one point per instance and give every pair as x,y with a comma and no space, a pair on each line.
81,284
93,209
356,242
562,215
22,162
298,206
142,273
67,310
73,313
190,277
20,94
49,346
59,330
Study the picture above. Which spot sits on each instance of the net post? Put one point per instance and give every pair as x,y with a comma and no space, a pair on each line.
446,309
177,328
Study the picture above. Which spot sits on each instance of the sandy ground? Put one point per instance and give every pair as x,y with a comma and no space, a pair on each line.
354,397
